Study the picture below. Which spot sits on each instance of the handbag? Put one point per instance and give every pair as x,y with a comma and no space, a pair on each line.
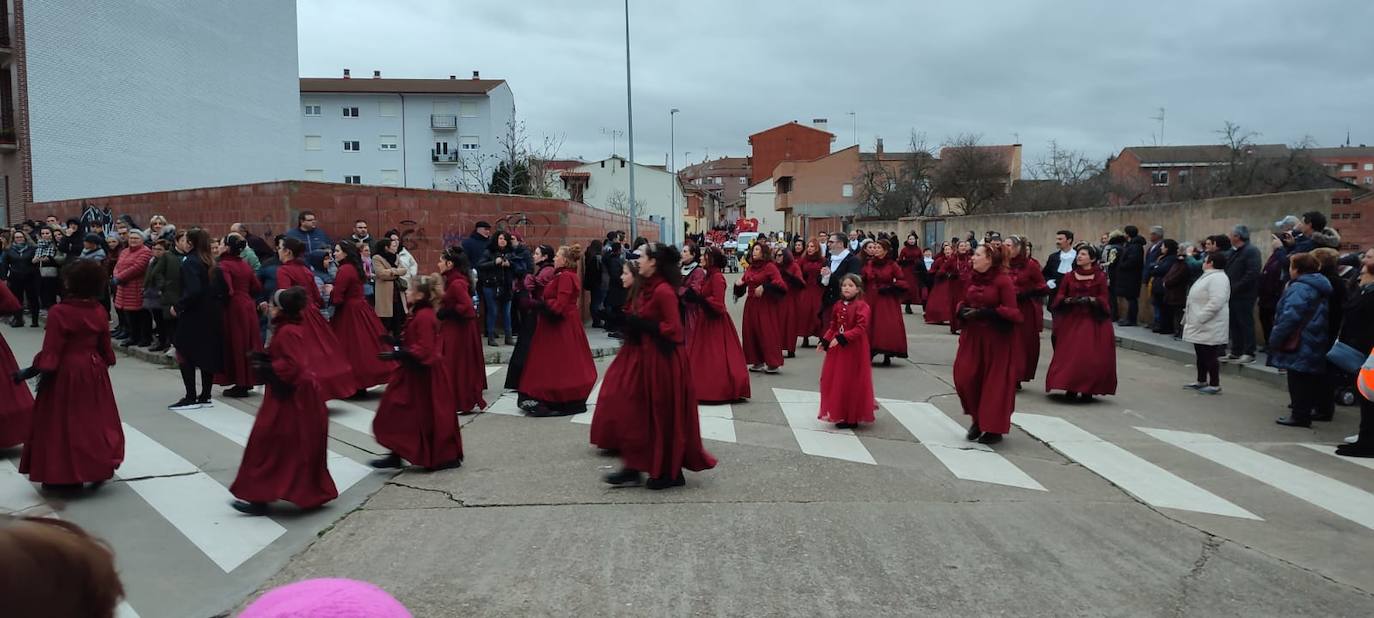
1346,358
47,271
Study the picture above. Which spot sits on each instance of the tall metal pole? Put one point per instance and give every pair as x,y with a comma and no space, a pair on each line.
672,169
630,121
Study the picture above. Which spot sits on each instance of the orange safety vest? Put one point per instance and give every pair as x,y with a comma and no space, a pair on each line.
1365,381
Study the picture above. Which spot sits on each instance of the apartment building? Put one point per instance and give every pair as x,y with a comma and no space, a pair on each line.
421,133
1353,164
106,98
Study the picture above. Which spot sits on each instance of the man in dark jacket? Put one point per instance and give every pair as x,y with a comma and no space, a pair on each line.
612,263
1060,262
1155,247
1243,269
475,245
841,262
1130,272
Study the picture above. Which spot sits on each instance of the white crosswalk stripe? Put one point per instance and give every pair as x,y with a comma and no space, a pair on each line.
1363,462
351,415
236,425
1136,476
492,369
717,422
946,440
193,503
585,418
1327,493
813,436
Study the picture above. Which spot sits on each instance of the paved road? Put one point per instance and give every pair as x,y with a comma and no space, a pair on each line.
1154,502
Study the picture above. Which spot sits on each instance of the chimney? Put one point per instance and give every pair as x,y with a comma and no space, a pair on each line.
453,77
376,75
879,147
345,73
476,75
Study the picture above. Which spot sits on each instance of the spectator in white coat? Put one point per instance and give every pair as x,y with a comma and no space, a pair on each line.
1207,322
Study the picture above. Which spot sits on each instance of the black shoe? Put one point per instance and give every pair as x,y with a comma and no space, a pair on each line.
846,425
17,323
510,341
614,334
791,354
1355,450
390,461
94,485
61,487
990,438
1292,421
887,360
358,394
491,342
1325,418
162,346
1085,398
256,509
625,477
457,463
657,484
34,324
1018,386
143,343
237,392
608,452
185,403
974,432
119,333
908,310
126,343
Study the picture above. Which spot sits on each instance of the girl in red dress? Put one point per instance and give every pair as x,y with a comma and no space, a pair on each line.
664,436
693,282
847,375
1030,293
76,436
913,266
16,402
985,373
962,275
939,302
355,324
416,419
242,334
335,377
809,307
1084,362
718,371
789,303
618,400
288,447
459,336
884,287
762,333
559,373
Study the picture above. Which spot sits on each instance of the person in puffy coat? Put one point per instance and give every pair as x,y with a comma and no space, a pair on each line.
129,272
1206,322
1300,337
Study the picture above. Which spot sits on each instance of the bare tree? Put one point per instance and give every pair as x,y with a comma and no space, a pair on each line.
619,202
1060,180
898,184
529,163
974,175
537,163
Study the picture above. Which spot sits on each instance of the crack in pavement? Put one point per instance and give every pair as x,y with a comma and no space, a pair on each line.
1211,544
154,476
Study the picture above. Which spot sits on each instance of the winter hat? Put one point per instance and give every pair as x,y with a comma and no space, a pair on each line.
94,239
326,598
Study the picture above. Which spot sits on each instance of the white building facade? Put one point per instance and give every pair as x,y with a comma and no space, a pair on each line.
420,133
758,204
657,193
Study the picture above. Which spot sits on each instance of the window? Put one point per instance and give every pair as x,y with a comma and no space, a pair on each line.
353,180
743,182
387,108
1183,176
1347,167
387,142
846,190
441,148
468,109
312,110
1369,167
1369,180
1160,178
391,177
317,175
469,142
351,146
350,112
312,142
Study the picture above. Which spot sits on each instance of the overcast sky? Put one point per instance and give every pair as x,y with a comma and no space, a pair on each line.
1089,74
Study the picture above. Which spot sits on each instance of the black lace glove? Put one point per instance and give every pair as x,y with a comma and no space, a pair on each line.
842,340
891,290
25,374
692,296
447,313
402,356
740,290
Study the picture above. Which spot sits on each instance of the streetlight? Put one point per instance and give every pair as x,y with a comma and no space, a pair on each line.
672,168
856,127
630,120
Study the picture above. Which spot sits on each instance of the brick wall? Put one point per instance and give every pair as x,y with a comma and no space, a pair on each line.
1353,218
427,220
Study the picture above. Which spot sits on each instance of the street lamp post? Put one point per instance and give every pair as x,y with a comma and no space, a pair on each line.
630,121
672,168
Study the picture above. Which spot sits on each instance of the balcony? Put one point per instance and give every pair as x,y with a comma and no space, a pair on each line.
443,122
445,158
8,141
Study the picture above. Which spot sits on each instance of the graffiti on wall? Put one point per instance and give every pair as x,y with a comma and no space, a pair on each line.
95,218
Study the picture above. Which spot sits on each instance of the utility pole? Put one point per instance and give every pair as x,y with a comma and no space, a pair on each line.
672,169
1160,118
630,119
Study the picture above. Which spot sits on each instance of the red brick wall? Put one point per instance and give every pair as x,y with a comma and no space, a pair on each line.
1353,219
428,220
789,142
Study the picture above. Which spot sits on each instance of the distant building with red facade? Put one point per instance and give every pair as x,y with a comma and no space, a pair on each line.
1141,171
786,142
1353,165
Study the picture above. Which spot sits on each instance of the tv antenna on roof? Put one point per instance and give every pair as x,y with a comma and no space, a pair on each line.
1160,119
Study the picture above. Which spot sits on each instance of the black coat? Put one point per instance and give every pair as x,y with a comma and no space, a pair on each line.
612,264
849,265
1051,269
498,278
591,273
1130,268
1243,269
19,261
200,316
1357,328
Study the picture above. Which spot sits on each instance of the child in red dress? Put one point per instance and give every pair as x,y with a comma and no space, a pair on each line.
847,375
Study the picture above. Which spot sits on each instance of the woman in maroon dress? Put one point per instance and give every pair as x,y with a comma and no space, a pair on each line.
809,306
913,266
884,288
664,437
718,369
618,400
335,377
460,340
985,372
938,304
559,373
355,324
285,458
416,419
766,289
529,291
16,402
847,374
242,334
962,275
694,282
76,436
788,305
1030,292
1084,362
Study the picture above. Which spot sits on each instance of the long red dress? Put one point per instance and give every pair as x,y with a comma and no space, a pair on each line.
985,368
789,306
847,374
416,418
460,342
718,369
962,269
242,335
939,305
358,329
1084,345
288,447
809,305
1030,289
884,288
559,369
762,330
664,436
908,258
16,402
693,286
76,435
334,374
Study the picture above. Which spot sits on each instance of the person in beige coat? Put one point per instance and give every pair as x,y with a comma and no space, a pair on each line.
1206,322
388,299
